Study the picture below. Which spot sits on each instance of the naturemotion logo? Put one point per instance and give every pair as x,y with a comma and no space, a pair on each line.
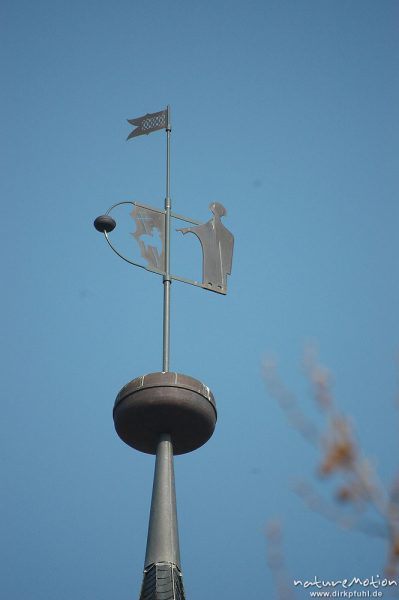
346,588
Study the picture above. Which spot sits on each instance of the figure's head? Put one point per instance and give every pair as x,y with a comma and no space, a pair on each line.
218,209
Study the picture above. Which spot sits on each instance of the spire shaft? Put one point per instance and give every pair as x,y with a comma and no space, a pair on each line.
162,575
163,537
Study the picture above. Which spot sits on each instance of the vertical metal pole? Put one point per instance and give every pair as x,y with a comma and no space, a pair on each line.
167,279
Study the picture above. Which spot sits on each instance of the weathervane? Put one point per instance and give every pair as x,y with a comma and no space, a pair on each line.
167,413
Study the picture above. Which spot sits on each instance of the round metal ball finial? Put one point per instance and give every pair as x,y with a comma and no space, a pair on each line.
104,223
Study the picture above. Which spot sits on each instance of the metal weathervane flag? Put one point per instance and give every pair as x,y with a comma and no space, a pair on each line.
148,123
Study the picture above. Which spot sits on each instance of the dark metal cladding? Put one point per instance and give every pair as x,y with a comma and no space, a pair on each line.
104,223
163,535
162,581
170,403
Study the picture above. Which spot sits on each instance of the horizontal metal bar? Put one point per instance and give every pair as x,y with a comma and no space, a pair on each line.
172,214
158,210
181,218
197,284
184,280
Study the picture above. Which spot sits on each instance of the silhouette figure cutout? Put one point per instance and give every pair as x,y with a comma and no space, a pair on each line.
217,249
147,221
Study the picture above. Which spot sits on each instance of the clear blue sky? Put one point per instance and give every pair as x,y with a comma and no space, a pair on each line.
286,111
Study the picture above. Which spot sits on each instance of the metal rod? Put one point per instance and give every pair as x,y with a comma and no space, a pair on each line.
186,219
167,279
160,210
